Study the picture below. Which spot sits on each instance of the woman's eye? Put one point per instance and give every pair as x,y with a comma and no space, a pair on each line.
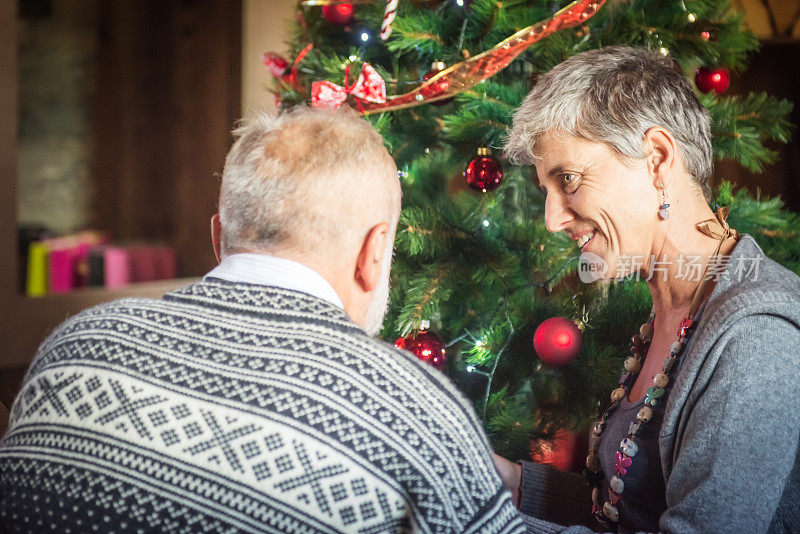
569,178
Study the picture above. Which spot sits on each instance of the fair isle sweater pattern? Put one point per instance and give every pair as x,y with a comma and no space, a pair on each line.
241,408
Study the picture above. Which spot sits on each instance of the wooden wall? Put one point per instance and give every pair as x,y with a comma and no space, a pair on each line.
169,91
8,180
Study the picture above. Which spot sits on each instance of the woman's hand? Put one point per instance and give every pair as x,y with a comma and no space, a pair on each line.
511,474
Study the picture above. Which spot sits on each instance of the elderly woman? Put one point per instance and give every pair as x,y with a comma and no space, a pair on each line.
702,434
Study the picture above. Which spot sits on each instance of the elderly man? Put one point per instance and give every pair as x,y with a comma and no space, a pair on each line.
256,399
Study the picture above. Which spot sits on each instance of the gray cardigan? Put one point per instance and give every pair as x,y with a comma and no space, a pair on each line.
729,439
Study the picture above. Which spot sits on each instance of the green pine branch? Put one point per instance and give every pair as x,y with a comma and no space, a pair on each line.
741,126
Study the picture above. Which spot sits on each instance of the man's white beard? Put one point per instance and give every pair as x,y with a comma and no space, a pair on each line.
379,304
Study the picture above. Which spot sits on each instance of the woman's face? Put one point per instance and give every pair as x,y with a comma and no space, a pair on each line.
608,207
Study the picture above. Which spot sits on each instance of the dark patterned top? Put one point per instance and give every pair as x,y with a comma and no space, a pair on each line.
241,408
644,498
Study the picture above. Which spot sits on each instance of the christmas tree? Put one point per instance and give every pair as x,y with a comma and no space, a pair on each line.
475,267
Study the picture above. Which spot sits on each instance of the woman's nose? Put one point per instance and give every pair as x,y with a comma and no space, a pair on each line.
557,213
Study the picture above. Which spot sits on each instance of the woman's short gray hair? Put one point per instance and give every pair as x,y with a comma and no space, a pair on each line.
307,179
613,95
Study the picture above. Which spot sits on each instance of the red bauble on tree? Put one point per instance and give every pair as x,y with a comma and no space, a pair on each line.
484,173
339,14
716,80
557,341
437,88
426,346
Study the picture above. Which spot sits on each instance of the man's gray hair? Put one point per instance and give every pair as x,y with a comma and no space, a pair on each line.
310,180
613,95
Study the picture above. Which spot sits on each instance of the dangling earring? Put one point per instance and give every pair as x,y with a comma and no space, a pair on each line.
663,211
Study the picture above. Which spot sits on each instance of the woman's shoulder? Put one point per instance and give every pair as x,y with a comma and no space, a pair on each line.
755,299
753,284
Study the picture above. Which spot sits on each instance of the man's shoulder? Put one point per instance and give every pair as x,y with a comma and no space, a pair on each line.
399,363
106,312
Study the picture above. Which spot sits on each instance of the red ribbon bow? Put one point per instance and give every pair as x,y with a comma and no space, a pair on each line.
369,87
277,65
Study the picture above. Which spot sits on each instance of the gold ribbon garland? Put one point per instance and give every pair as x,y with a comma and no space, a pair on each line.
465,75
311,3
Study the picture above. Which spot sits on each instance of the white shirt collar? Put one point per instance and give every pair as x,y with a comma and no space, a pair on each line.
277,272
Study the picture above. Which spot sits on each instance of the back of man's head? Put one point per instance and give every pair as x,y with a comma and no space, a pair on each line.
307,183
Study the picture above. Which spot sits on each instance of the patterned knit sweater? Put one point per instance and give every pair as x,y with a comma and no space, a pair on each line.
241,408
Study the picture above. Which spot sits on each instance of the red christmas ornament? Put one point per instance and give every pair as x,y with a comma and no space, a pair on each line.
557,341
339,14
709,35
437,88
426,346
484,173
716,80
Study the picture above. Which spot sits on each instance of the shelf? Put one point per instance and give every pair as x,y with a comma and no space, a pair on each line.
93,295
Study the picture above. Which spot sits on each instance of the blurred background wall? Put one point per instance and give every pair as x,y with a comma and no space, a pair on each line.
265,28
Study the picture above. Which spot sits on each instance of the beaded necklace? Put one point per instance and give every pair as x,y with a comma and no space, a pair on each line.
607,512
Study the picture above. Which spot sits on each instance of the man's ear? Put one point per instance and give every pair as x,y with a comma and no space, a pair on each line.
368,262
661,155
216,236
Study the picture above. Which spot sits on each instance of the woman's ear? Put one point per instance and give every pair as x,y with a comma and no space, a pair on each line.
661,155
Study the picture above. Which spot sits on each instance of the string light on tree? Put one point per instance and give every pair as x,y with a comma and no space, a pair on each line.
557,341
483,172
338,14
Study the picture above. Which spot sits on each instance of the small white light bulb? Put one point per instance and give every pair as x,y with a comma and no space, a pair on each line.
364,36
